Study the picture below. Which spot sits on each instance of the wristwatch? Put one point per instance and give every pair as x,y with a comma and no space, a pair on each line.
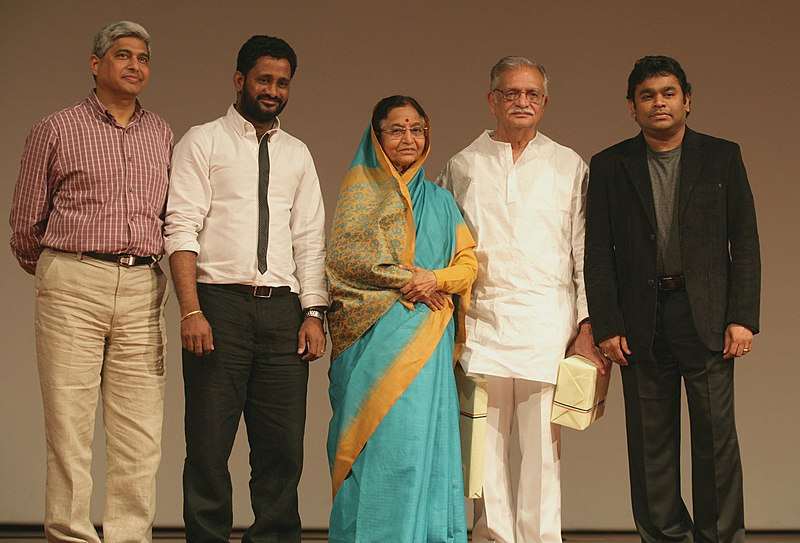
313,312
316,313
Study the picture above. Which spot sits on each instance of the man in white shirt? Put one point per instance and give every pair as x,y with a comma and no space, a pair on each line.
522,196
245,234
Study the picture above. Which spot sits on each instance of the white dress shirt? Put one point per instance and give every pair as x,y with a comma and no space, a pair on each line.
212,208
528,221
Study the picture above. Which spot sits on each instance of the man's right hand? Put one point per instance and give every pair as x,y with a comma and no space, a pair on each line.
196,335
615,348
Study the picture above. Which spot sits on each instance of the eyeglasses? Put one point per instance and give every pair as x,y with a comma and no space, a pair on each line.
397,132
512,95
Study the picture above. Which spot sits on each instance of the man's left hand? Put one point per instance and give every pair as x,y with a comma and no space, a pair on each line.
738,341
583,344
311,339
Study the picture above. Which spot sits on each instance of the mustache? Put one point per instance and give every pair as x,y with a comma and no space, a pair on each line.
269,97
517,109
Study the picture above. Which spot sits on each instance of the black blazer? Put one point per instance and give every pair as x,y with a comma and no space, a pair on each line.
718,241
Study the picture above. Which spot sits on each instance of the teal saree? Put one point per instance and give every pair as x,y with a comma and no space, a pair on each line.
393,443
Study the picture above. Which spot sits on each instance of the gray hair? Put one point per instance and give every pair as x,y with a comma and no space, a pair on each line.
121,29
512,63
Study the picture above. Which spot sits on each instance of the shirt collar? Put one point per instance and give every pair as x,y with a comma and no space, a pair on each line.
538,139
105,115
245,128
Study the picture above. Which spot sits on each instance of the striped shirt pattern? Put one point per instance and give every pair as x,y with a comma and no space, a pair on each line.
88,184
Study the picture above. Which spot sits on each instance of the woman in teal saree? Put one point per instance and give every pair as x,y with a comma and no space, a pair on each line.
400,268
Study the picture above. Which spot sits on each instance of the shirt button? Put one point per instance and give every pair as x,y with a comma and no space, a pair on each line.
652,236
131,189
651,282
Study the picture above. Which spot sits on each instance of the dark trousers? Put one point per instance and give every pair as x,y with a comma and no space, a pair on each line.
254,370
653,417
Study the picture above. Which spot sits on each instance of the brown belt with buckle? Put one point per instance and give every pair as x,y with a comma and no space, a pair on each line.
257,292
121,260
671,283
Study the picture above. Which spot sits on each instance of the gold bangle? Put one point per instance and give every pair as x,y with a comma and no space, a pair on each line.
192,314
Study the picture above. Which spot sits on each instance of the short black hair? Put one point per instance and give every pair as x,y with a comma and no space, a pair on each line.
651,66
389,103
264,46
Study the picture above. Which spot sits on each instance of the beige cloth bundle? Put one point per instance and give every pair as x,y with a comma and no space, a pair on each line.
580,397
473,401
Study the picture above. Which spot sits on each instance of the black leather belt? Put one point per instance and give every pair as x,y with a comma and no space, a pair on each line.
671,283
121,260
258,292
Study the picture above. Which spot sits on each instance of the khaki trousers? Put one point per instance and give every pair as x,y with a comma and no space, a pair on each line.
100,329
535,515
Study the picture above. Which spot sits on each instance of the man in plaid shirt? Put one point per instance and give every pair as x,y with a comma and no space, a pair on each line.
86,220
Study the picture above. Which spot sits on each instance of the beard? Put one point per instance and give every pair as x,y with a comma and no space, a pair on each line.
251,109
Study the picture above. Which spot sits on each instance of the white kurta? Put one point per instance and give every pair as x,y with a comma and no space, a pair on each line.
528,221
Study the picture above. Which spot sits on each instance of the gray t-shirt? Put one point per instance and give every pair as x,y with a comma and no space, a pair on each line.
665,173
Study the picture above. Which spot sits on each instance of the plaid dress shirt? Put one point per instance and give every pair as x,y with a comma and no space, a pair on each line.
88,184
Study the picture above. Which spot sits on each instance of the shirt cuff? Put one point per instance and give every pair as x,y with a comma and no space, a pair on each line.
313,300
175,245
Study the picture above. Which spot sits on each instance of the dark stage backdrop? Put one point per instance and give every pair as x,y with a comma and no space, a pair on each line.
740,56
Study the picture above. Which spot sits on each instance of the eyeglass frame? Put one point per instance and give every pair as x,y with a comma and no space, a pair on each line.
540,95
398,132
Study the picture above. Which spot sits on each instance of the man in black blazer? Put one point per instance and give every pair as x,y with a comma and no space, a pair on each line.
672,271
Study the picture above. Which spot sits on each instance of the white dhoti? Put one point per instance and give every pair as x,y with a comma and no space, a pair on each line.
534,515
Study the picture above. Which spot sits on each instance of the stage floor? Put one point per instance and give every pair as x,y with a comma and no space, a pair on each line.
633,538
27,536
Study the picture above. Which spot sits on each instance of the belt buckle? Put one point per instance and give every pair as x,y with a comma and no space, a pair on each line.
257,295
671,283
127,260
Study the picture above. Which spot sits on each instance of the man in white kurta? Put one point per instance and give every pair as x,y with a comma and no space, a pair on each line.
522,196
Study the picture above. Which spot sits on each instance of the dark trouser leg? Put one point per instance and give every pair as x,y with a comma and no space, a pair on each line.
275,413
215,389
652,417
716,466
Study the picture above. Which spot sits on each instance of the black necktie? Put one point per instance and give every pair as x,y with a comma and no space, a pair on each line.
263,205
